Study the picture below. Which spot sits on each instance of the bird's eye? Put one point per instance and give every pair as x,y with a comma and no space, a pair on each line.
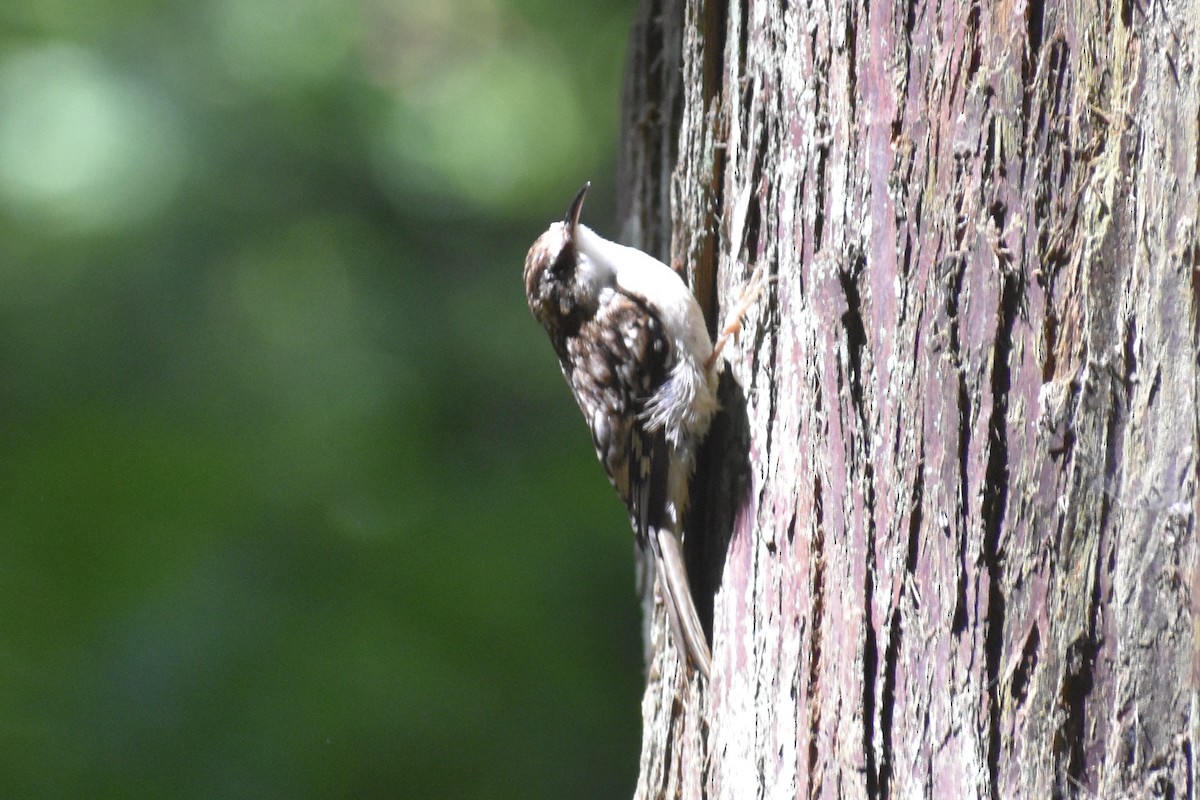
563,263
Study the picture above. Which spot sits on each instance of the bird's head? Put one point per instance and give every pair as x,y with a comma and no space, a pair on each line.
553,282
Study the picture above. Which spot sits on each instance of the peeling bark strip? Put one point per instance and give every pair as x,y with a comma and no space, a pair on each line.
947,526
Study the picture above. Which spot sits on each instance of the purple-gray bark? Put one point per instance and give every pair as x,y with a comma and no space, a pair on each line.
946,528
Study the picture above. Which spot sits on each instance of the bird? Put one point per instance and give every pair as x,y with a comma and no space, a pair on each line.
634,348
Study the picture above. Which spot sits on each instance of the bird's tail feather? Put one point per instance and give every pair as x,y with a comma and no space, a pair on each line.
681,608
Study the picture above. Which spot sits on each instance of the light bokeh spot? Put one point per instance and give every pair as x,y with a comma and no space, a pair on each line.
276,43
83,148
495,118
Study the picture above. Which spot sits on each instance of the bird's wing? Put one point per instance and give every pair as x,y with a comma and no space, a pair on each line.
614,364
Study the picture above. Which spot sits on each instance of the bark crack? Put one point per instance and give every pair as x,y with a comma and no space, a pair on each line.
818,611
994,506
892,653
959,621
856,341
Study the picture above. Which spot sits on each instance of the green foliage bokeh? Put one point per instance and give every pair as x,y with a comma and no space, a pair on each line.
293,501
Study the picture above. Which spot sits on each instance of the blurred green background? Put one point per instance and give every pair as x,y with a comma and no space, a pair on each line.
293,500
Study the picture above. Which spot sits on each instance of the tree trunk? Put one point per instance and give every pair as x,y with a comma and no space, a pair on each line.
946,526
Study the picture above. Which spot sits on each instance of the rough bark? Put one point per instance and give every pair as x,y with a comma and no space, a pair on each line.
946,528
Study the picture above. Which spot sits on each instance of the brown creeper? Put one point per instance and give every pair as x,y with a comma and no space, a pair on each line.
633,346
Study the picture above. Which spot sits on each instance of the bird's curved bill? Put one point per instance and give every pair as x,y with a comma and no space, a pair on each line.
572,218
